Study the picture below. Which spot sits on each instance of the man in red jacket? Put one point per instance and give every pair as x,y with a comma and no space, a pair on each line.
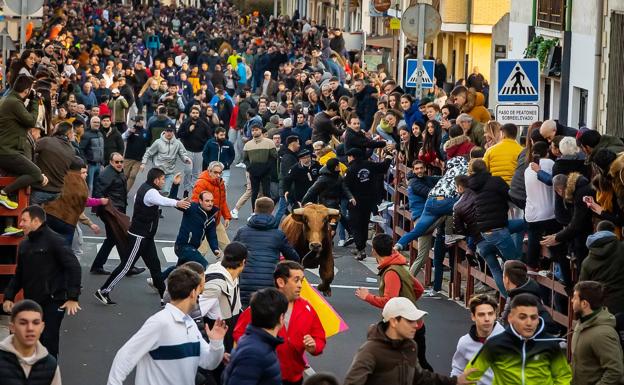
302,331
395,281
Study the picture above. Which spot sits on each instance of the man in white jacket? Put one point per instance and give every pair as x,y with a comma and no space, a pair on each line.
483,314
169,347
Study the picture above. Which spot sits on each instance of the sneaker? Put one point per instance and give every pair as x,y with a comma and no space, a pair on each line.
150,283
234,213
162,303
384,205
450,239
377,219
431,293
6,202
241,165
349,241
341,243
13,232
104,298
361,256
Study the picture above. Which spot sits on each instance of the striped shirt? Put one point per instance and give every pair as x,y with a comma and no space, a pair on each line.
167,350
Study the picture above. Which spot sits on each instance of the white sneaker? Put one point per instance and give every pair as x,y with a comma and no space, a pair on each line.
377,219
384,205
341,243
234,213
241,165
150,283
450,239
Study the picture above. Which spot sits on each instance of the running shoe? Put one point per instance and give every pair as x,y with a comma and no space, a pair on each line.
6,202
13,232
104,298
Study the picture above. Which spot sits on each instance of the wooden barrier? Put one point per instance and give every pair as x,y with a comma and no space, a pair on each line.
8,244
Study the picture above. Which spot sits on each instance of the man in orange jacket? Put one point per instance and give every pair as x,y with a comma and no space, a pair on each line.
302,330
210,180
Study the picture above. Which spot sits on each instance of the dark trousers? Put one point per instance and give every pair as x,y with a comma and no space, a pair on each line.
137,247
419,338
185,254
105,249
64,229
359,216
263,181
536,230
52,316
26,171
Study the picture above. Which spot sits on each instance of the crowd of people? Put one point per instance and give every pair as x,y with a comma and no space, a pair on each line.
106,93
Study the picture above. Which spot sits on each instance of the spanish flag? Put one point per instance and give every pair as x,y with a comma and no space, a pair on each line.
330,319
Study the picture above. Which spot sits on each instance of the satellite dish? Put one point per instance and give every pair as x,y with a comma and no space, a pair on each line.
409,22
15,7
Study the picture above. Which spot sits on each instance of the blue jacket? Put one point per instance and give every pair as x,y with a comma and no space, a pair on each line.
304,132
254,361
222,152
197,223
265,242
413,115
417,192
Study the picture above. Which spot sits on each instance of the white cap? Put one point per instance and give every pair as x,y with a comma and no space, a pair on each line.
401,307
115,91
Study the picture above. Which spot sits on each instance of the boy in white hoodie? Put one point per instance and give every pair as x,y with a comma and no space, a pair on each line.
22,356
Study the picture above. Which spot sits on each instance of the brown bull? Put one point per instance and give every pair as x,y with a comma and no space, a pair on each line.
308,230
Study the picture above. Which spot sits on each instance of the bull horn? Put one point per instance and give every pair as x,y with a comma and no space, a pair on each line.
298,211
332,212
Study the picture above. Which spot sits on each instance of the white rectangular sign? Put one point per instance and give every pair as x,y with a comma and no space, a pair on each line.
518,114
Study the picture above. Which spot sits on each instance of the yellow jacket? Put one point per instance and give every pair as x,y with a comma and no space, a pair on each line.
327,156
502,158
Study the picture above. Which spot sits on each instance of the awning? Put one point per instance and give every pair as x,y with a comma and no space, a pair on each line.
385,41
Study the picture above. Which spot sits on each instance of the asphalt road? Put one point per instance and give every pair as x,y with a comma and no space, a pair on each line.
90,339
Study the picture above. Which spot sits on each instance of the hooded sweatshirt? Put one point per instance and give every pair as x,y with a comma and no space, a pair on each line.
603,264
164,152
41,363
467,347
516,360
392,281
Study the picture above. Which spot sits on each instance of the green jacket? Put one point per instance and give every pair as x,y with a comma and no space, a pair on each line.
518,361
596,351
15,121
608,142
119,109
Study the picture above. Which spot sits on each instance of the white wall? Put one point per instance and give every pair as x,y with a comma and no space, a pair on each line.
582,72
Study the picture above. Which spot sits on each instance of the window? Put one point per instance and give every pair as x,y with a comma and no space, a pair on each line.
551,14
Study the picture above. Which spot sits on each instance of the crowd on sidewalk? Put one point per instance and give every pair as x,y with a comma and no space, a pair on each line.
107,94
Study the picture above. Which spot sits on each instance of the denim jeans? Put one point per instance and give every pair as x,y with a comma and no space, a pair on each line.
434,209
498,241
38,197
192,171
226,177
64,229
439,250
342,232
234,136
168,182
387,137
185,254
93,170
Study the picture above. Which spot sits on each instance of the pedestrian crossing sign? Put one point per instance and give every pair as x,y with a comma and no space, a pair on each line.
518,80
411,73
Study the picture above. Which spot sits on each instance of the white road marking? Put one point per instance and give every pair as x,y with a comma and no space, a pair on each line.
169,254
103,238
316,271
371,264
114,254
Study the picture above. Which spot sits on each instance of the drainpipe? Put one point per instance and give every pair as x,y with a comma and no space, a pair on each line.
600,4
534,14
564,96
468,24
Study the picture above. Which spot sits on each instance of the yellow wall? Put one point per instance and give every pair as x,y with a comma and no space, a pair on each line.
488,12
479,53
453,11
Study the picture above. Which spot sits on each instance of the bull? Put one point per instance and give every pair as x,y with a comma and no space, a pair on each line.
309,229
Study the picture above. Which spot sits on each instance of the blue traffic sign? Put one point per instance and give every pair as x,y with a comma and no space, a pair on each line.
411,73
518,80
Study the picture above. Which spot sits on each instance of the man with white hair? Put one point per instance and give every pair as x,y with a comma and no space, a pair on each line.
551,128
472,128
268,87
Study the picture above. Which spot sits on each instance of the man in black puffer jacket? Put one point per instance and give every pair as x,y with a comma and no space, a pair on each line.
265,242
491,207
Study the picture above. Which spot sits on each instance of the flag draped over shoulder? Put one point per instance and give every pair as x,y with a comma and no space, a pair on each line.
330,319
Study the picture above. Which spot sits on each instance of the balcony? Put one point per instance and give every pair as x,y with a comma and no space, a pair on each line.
551,14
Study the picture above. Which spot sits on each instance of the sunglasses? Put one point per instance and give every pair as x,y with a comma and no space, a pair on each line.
118,161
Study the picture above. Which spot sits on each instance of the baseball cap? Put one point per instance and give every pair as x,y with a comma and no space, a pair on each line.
303,153
401,307
170,127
